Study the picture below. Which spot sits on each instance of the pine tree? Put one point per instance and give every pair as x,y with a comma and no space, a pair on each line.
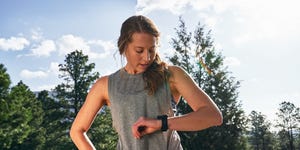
5,134
199,58
102,133
23,125
78,78
53,115
288,122
4,82
260,135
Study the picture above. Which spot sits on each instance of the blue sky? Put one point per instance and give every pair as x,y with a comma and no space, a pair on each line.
259,39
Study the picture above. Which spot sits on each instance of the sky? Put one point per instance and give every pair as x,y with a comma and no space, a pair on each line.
259,40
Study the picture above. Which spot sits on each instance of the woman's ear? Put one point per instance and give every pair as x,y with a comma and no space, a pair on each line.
124,52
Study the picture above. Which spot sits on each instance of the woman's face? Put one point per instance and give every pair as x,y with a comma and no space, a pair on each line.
140,52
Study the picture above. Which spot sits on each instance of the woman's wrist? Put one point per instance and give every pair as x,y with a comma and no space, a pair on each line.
164,122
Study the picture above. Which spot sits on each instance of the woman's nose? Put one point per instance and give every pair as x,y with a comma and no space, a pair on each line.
146,56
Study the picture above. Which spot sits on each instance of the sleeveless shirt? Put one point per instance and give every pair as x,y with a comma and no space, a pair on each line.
129,100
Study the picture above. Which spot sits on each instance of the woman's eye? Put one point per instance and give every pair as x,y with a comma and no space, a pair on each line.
139,51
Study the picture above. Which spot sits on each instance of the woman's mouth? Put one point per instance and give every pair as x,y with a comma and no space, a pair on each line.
144,65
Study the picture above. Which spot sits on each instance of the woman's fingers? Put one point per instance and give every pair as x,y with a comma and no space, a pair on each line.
135,133
141,129
144,126
137,128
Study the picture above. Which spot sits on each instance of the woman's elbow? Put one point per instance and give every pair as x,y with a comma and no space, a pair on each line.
74,132
218,119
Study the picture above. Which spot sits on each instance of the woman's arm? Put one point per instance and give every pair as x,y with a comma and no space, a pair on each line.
96,98
205,112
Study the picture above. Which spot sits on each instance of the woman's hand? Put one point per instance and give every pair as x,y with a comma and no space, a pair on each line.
85,117
145,126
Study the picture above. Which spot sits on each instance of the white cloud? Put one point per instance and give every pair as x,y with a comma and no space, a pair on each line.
180,6
231,61
27,74
215,6
209,20
46,87
242,39
69,43
262,20
44,49
36,34
54,68
107,46
13,43
174,6
254,20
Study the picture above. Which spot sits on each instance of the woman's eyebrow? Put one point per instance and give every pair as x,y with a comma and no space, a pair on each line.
154,46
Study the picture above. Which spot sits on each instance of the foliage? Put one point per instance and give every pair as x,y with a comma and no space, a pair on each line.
4,82
21,125
260,136
288,121
5,136
214,79
54,115
43,121
4,108
101,133
78,78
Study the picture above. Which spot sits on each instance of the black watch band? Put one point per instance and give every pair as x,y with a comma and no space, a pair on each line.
164,122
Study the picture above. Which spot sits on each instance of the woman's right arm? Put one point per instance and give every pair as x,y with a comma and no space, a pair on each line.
96,98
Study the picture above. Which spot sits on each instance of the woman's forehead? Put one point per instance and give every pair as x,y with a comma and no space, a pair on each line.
143,39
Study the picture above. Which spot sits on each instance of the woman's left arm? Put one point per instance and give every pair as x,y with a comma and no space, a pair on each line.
205,112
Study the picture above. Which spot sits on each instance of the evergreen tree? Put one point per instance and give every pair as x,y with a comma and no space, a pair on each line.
297,143
102,133
288,121
260,135
54,114
283,139
200,59
21,126
5,136
4,83
78,78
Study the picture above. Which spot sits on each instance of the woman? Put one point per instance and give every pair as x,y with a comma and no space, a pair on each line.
139,96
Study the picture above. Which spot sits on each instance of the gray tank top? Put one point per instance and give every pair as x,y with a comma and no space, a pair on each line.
129,101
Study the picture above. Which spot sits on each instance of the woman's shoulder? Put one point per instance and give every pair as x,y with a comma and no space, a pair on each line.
174,68
102,85
178,74
176,71
105,78
102,81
